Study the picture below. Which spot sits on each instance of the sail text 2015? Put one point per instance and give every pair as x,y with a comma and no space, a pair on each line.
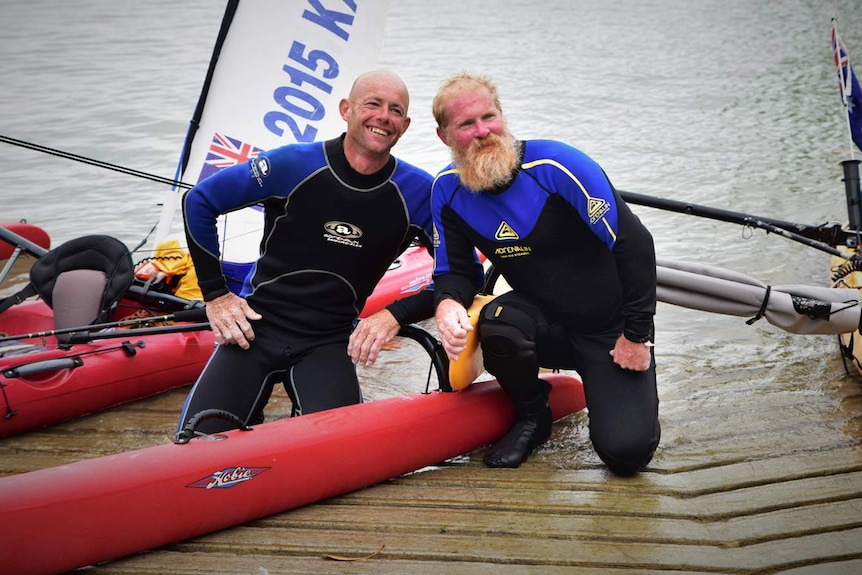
298,104
308,71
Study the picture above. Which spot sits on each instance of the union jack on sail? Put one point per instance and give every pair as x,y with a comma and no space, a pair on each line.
224,152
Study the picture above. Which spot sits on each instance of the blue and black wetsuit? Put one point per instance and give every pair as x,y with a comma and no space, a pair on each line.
582,270
330,233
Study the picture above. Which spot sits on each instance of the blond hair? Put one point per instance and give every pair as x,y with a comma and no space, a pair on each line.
459,84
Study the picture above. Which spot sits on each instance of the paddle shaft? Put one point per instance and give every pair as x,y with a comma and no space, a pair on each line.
85,336
195,314
823,238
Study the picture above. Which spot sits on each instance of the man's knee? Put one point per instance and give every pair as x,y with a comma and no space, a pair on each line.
625,454
507,335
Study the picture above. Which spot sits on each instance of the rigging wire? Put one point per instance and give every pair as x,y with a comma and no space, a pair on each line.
94,162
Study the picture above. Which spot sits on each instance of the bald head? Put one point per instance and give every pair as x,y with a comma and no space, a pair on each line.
379,80
376,116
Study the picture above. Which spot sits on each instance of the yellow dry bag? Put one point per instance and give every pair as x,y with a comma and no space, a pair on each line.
464,370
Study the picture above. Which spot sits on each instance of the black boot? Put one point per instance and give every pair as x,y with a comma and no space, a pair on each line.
533,421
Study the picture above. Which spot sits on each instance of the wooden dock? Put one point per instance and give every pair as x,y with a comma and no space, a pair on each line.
748,479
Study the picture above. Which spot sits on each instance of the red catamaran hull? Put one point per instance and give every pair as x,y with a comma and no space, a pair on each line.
407,275
101,509
27,231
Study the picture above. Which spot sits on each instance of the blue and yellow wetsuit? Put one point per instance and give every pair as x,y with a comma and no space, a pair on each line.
330,233
582,270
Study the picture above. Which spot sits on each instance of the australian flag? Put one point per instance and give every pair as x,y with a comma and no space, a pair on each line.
226,151
851,94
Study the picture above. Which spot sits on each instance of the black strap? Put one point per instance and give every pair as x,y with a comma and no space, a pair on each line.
190,430
14,299
439,360
763,305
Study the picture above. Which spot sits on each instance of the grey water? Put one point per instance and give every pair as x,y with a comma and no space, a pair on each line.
727,103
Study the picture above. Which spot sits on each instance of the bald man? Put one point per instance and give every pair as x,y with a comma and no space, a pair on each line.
337,213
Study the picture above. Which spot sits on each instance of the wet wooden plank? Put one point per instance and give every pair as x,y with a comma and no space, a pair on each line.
551,498
580,523
535,549
851,567
720,476
231,563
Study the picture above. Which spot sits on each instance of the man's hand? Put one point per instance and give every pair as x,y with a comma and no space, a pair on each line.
453,324
228,316
630,355
370,335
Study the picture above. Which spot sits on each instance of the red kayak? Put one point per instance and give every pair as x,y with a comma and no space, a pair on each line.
43,382
97,510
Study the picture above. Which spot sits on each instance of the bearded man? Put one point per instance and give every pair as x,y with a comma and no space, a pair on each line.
581,267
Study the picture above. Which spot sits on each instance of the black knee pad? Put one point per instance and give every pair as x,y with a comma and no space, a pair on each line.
499,346
506,333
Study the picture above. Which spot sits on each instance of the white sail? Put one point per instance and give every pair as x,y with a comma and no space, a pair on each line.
277,73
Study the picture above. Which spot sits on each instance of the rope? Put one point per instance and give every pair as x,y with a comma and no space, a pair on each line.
852,265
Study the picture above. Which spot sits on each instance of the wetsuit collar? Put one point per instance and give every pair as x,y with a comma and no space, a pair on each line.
338,162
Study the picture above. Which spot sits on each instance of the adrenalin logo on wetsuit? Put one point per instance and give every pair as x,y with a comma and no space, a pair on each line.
506,232
597,208
342,233
259,169
228,477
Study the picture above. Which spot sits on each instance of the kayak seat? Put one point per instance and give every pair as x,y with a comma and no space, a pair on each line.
81,280
77,297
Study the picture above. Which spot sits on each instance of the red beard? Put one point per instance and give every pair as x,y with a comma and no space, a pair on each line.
487,163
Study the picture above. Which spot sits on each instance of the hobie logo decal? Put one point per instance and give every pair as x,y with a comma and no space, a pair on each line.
342,233
228,477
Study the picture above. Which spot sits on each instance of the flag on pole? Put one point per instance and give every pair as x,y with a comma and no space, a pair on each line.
851,94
